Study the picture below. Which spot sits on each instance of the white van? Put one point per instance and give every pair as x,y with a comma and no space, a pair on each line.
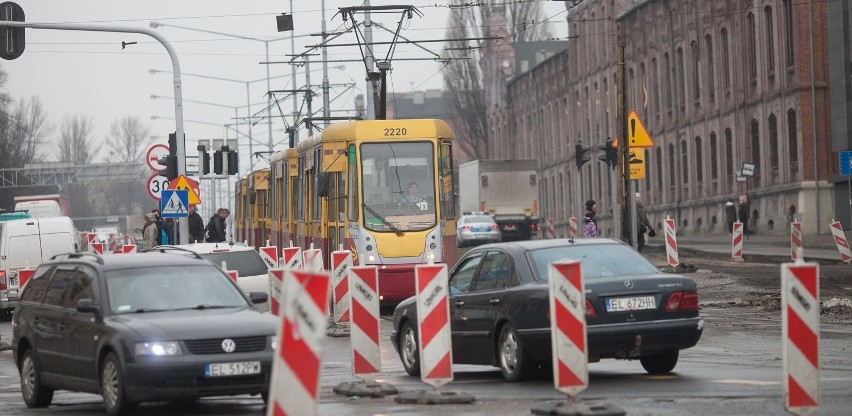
40,208
27,243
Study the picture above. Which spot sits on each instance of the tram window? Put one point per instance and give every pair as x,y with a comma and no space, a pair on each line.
332,196
353,190
448,199
341,195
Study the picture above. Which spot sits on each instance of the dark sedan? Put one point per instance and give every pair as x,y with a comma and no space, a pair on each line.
499,308
139,327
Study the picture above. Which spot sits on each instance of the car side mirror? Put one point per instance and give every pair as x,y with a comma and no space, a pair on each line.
87,305
258,297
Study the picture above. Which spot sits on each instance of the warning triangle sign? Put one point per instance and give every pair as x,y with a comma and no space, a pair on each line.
636,133
183,183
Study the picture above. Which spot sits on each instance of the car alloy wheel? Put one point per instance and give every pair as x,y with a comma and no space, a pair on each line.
660,363
35,395
112,386
408,352
511,354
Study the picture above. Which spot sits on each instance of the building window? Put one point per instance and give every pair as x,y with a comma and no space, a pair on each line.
726,74
659,170
755,146
770,41
696,81
729,155
699,163
788,26
711,80
752,46
714,158
681,85
655,94
684,162
793,140
773,145
667,83
671,169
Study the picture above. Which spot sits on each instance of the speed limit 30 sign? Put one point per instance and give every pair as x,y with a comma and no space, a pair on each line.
156,184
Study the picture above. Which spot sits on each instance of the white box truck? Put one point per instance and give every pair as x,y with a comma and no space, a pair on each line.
505,189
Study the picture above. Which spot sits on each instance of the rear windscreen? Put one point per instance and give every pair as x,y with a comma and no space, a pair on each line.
246,263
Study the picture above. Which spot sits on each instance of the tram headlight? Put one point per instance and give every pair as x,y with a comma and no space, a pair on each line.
371,258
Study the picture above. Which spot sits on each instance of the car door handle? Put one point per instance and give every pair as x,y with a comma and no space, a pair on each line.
494,301
459,303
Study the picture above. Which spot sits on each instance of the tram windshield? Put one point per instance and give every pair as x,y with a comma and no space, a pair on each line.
398,186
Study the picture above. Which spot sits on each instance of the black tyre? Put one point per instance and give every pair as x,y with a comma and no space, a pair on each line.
409,353
112,386
510,355
660,363
35,395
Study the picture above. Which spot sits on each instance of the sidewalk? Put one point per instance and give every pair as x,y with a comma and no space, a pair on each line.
815,247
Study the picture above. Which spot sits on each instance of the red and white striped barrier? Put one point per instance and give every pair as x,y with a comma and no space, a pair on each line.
341,265
24,276
671,242
233,274
292,258
795,240
312,260
737,242
128,248
433,324
568,327
294,385
572,227
97,248
800,329
276,279
549,231
840,240
364,330
269,255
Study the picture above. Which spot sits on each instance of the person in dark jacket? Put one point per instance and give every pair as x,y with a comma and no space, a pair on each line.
217,226
730,214
196,226
590,227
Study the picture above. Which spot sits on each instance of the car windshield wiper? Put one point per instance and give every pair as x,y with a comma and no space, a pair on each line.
145,310
205,306
382,219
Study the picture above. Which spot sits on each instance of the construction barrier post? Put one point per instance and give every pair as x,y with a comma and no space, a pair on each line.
795,240
671,242
312,260
549,231
269,254
800,308
128,248
841,242
737,242
341,265
572,227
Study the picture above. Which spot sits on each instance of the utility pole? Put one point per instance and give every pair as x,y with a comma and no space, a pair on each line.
326,111
623,171
368,61
295,134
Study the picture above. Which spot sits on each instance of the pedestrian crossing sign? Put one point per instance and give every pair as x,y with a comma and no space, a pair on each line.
173,203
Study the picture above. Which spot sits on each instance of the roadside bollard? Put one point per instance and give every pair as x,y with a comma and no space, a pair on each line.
341,266
671,242
128,248
841,242
737,242
572,227
269,255
312,259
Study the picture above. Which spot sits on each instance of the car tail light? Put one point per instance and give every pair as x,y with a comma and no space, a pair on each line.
590,310
682,301
467,227
493,227
2,280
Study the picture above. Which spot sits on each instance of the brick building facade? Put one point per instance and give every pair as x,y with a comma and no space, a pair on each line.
717,84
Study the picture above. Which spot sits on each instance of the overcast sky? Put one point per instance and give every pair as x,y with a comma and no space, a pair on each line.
88,73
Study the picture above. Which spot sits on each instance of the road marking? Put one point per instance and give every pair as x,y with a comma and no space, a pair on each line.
753,382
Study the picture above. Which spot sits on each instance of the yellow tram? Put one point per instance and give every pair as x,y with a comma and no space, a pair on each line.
352,185
251,215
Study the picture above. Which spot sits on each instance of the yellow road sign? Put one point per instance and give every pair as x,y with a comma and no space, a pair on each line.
182,182
637,163
636,132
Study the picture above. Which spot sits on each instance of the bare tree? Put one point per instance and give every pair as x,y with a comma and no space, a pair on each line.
128,139
76,144
463,75
23,127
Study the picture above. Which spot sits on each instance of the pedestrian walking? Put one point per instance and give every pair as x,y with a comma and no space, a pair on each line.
196,226
730,214
150,232
590,228
215,230
644,224
742,216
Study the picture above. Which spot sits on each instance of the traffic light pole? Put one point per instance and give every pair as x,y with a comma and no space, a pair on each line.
183,224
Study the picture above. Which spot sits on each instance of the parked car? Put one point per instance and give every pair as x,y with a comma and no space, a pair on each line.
139,327
252,271
499,307
475,228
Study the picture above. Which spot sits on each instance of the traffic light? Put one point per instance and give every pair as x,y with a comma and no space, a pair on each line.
581,152
233,162
217,162
205,162
12,40
610,153
170,160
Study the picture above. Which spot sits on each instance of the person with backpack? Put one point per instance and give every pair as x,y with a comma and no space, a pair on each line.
196,225
590,229
215,230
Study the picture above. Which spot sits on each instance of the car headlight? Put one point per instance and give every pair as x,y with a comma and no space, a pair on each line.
274,341
157,349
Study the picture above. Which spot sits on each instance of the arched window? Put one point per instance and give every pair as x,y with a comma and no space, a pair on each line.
714,159
773,144
726,63
770,40
699,163
684,162
755,146
681,85
729,155
788,27
752,47
793,140
711,80
696,61
659,160
671,166
655,93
